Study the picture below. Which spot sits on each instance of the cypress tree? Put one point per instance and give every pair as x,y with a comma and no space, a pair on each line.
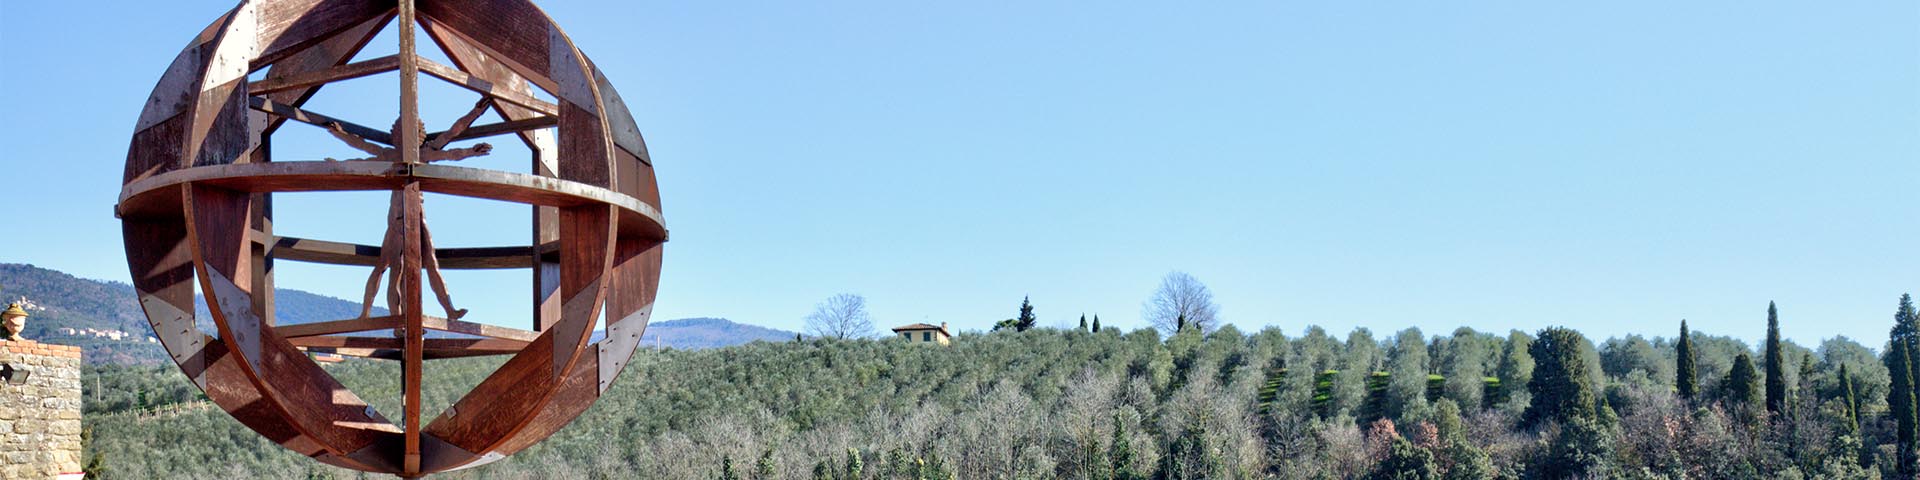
1083,322
1899,361
1096,323
1026,320
1775,364
1900,401
1846,395
1741,386
1120,452
1562,385
1686,375
1907,328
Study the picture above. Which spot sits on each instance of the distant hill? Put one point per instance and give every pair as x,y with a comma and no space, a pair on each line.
698,333
80,304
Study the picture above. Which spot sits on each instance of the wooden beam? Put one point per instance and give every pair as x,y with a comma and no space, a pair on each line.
334,327
395,354
412,228
484,87
501,128
344,72
311,176
338,253
481,329
494,345
318,120
288,27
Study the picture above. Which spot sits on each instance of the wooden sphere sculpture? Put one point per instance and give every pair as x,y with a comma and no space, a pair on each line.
197,207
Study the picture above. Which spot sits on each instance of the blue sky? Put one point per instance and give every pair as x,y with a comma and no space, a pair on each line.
1614,167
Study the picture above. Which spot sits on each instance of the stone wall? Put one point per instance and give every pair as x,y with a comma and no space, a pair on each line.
40,420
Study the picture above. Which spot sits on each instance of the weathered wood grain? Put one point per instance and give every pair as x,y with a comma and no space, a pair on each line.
330,53
302,81
502,128
289,26
483,86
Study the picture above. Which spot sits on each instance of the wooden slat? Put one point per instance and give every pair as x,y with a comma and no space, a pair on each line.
586,151
493,345
338,253
344,72
429,322
290,26
481,329
396,355
484,87
318,120
454,180
575,393
334,327
513,32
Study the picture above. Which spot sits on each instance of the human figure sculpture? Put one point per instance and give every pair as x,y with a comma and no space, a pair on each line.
431,150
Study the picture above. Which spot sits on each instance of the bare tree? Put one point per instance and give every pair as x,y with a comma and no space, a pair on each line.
841,316
1181,302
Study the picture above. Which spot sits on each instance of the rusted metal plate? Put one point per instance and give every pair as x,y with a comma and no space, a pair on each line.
626,133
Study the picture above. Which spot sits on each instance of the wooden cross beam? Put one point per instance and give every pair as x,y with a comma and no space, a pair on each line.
344,72
484,87
318,120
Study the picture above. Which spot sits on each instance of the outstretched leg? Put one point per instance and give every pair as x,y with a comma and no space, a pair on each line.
389,254
373,286
432,262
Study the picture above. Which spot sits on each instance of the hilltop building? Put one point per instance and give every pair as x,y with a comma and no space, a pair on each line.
920,332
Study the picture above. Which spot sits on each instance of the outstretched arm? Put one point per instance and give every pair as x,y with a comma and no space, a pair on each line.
354,140
459,126
429,156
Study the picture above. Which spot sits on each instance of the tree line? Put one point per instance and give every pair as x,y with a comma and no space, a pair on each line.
1145,404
